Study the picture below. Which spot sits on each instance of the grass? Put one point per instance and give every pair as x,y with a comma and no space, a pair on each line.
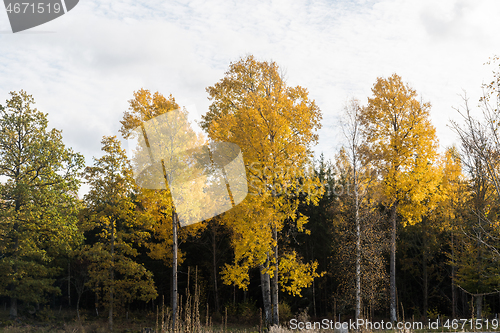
101,326
188,320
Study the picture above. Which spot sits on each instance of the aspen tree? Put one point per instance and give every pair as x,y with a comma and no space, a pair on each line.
274,125
401,144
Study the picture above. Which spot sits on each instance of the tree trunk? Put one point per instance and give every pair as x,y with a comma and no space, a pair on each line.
425,278
13,299
479,299
314,299
266,291
453,290
96,304
274,286
13,307
78,307
174,268
112,278
393,263
216,291
358,242
69,283
479,307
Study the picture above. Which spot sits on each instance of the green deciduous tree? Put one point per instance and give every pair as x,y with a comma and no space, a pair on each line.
38,202
114,228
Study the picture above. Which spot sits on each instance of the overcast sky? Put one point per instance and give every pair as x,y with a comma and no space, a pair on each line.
83,67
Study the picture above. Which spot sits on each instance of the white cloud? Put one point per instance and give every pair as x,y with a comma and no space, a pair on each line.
84,72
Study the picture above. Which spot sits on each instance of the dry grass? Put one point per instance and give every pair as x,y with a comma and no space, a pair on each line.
188,320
